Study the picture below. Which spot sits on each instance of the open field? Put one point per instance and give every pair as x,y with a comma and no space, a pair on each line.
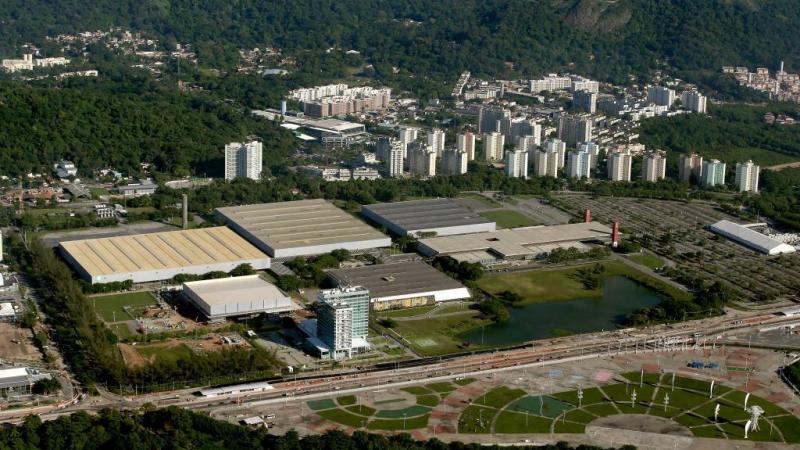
691,404
118,307
677,231
437,335
408,409
562,283
648,260
506,218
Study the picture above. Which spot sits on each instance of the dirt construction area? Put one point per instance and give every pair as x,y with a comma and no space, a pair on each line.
676,230
16,344
141,354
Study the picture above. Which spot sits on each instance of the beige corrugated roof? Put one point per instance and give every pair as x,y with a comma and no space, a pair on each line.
299,223
167,250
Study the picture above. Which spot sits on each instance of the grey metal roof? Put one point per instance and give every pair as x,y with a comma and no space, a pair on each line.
425,214
299,223
385,280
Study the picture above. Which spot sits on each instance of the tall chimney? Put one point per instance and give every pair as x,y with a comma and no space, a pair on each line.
587,215
615,235
185,212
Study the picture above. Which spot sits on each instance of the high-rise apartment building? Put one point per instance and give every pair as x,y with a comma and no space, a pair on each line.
339,99
747,177
545,163
422,160
580,164
713,173
654,166
408,135
436,138
493,146
593,149
575,129
527,143
512,128
619,166
660,95
560,148
585,101
517,164
394,163
694,101
690,166
343,319
465,142
489,119
243,160
383,146
454,162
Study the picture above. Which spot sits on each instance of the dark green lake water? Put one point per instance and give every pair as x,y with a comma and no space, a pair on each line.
621,296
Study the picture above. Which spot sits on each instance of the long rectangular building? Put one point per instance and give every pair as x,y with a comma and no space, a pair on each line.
300,228
751,238
401,285
237,296
514,243
161,256
441,216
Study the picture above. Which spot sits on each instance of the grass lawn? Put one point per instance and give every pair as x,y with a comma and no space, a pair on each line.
343,417
578,415
648,260
318,405
506,218
411,423
790,427
602,409
464,381
476,419
562,284
443,388
121,330
361,410
346,400
499,397
406,312
548,406
110,307
428,400
438,335
568,427
416,390
510,422
165,353
590,396
411,411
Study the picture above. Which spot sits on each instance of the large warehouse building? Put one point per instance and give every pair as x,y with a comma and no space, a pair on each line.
300,228
514,243
751,238
401,285
237,296
161,256
441,216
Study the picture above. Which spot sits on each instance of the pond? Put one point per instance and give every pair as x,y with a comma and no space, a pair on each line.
621,296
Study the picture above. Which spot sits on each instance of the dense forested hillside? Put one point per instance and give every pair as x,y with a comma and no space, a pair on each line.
443,37
120,125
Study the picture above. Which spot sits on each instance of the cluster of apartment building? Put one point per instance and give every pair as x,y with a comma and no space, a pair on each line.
339,99
29,63
782,86
553,82
693,168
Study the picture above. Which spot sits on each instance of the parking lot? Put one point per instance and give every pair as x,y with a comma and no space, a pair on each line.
676,230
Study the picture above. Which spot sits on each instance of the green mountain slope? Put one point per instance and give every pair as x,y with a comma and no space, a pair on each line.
604,38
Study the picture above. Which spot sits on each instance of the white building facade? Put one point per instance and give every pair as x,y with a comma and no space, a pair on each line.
243,160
